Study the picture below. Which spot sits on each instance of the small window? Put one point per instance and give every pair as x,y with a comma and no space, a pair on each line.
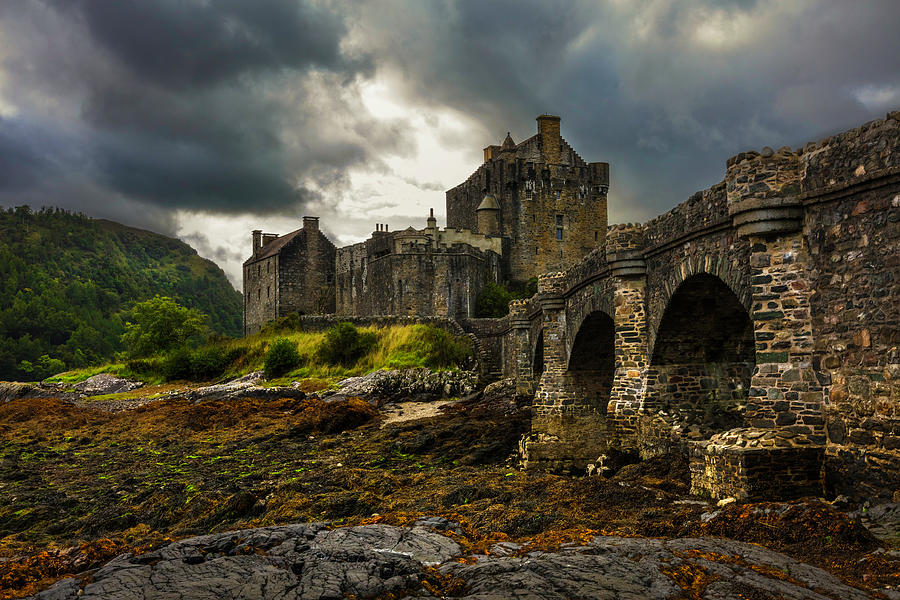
559,234
259,294
559,220
595,236
268,264
559,227
268,291
258,269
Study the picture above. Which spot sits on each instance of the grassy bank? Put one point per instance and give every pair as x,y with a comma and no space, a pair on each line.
397,347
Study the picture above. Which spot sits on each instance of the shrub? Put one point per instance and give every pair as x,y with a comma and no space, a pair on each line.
344,344
443,349
281,358
208,362
177,364
493,301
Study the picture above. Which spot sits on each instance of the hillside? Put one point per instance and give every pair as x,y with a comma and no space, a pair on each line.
67,281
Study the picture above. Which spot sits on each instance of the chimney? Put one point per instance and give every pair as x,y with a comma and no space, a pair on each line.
548,128
311,223
257,240
431,222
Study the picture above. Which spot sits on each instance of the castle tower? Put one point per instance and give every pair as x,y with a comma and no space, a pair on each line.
550,203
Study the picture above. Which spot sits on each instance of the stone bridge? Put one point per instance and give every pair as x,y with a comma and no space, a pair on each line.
754,327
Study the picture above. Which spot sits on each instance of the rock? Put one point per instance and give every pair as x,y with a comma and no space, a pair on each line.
104,383
243,387
725,501
420,385
312,561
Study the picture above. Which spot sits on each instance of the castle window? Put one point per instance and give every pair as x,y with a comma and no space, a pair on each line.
559,227
268,264
258,269
259,293
595,236
268,291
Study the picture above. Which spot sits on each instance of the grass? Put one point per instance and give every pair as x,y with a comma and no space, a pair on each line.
397,347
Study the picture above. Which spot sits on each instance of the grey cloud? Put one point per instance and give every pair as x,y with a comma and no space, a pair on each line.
255,107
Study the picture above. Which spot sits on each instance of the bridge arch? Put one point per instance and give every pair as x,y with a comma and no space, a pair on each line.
591,366
702,357
730,268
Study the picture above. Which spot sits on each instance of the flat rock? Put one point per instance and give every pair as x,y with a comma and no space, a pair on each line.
313,561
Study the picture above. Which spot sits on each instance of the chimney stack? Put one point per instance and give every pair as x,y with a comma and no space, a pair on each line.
257,240
548,128
311,223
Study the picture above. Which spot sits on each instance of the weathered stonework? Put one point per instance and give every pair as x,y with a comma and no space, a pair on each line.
288,274
551,203
756,327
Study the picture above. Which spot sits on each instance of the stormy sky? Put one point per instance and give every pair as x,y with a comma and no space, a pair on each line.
205,119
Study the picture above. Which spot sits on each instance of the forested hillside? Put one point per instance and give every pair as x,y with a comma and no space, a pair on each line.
68,281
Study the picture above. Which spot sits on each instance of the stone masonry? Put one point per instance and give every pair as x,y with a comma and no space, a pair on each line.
756,328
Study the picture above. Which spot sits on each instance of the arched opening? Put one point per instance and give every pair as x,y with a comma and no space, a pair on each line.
537,363
592,363
703,358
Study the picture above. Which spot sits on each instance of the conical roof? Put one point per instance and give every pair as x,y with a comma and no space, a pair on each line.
489,203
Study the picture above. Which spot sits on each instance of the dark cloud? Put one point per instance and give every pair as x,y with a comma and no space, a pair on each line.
188,44
229,106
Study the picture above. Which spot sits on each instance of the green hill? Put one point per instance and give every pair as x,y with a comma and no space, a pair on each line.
67,282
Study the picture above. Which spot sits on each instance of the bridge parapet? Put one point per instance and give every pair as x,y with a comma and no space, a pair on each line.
763,192
625,250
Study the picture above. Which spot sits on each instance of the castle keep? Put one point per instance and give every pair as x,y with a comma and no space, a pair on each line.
755,327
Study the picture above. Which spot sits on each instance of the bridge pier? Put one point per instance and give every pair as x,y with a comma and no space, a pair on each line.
780,454
629,271
567,432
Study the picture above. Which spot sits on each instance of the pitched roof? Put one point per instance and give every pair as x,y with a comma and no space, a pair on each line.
273,247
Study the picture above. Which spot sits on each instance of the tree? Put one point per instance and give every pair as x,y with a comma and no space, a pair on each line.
161,324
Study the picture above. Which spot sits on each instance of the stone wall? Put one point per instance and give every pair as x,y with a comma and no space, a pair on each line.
542,187
851,198
306,274
260,289
792,338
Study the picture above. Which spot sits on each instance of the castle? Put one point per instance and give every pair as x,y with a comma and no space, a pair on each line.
755,327
529,208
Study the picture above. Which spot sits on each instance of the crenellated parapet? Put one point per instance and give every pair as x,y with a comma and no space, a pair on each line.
625,250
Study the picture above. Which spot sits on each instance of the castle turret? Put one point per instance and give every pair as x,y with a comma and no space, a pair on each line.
488,216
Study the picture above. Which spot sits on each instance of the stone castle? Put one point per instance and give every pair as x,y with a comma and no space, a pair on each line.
755,327
530,208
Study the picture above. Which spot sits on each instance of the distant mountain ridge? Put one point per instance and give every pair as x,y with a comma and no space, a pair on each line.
67,282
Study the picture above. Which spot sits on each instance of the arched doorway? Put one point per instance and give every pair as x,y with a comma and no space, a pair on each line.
592,360
703,358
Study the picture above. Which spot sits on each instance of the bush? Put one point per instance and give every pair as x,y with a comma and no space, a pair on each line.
494,299
281,358
208,362
344,344
443,349
177,364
